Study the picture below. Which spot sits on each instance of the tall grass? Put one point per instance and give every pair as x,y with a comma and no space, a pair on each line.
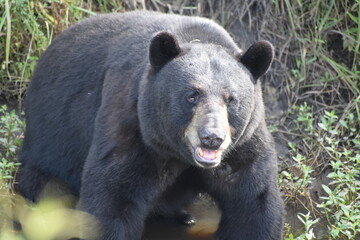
28,27
323,123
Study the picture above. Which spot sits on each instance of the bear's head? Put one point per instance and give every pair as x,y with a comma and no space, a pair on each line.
199,100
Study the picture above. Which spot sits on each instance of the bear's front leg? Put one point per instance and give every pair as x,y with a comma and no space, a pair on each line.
251,218
119,191
250,202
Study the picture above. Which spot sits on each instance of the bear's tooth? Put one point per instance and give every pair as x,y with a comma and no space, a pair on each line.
201,153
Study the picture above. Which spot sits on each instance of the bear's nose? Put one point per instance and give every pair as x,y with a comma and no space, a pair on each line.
211,138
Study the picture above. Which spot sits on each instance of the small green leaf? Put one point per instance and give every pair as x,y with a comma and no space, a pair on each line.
343,123
327,189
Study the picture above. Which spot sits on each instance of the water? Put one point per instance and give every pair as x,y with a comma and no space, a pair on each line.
207,216
207,219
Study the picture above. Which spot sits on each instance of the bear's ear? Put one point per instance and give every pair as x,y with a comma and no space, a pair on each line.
163,48
258,57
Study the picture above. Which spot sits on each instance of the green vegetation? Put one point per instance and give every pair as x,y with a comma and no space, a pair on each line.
316,73
324,119
49,219
11,129
329,144
28,27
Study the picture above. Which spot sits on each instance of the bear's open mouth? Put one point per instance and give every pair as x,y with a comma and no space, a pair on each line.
207,158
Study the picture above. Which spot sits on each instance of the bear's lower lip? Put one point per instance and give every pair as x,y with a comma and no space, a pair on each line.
207,158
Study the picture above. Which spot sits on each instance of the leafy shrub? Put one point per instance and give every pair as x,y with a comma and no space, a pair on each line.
11,130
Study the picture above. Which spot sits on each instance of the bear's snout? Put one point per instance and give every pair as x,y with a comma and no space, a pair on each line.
209,134
211,138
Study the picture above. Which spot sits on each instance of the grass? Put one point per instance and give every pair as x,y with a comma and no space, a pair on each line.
316,74
329,145
11,129
29,27
323,122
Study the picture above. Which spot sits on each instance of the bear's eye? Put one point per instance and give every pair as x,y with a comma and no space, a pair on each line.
193,98
229,99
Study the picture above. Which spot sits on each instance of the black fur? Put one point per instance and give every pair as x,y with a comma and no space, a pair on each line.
258,58
163,48
106,114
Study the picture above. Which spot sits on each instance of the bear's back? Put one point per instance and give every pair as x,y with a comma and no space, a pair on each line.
66,89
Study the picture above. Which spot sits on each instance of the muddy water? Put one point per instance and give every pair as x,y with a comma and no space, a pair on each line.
207,216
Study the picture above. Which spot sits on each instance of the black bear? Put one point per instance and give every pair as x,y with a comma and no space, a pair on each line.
139,112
